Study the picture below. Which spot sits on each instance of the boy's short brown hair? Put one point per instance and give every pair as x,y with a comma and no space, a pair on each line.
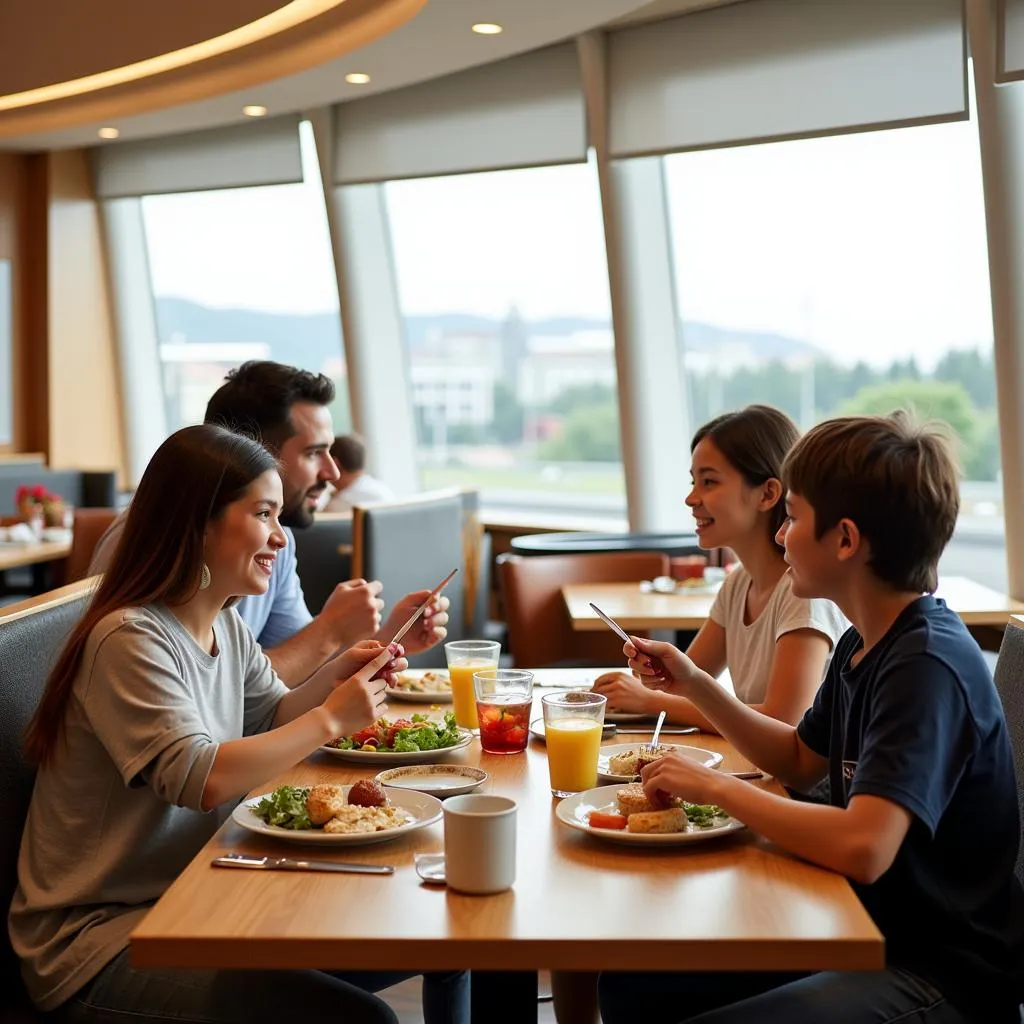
895,479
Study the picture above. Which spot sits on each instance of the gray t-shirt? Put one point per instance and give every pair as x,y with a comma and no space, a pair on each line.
115,816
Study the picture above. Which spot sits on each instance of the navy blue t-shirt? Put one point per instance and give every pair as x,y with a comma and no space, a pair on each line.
919,722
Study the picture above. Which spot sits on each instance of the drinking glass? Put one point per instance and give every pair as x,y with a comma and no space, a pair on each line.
504,697
573,721
464,658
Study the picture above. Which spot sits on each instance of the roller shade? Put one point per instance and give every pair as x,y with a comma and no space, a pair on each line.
257,153
1010,41
775,69
527,111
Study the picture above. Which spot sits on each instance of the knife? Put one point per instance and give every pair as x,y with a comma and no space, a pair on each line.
246,860
372,667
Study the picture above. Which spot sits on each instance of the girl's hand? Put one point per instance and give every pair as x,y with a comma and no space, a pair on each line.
349,662
625,692
660,664
681,776
356,702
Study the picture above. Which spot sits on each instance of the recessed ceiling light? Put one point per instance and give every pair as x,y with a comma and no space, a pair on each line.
109,133
357,78
487,28
254,110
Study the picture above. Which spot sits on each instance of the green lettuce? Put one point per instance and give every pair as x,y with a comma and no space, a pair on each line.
285,808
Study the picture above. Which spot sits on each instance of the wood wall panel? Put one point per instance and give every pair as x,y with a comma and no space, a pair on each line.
12,204
85,428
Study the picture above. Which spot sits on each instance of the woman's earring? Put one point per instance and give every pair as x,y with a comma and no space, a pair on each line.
204,579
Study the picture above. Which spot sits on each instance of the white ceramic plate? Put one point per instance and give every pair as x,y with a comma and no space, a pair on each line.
438,779
573,811
424,810
394,758
628,716
708,758
417,697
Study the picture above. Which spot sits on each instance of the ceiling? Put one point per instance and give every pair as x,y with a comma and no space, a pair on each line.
435,41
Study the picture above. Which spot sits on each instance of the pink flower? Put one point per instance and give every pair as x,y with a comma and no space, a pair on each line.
39,492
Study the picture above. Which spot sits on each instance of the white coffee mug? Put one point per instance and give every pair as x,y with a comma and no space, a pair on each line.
479,843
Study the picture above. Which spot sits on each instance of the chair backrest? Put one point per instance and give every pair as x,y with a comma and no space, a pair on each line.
90,525
412,545
539,630
32,634
323,553
1009,677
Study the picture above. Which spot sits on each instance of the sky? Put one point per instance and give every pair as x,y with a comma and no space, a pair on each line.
869,246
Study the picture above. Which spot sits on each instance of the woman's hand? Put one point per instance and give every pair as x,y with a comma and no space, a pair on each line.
357,701
681,776
662,665
349,662
626,693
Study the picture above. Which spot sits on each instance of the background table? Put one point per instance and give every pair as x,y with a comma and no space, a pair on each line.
634,609
14,556
578,903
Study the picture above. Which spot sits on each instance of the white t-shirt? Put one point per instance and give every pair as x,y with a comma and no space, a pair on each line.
749,648
364,490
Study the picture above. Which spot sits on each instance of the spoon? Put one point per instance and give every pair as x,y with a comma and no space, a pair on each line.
657,732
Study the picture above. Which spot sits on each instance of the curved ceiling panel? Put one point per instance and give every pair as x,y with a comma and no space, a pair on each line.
104,34
294,36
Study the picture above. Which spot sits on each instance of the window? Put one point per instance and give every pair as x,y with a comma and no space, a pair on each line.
504,290
847,274
243,274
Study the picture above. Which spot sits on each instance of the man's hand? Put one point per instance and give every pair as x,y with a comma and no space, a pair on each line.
429,628
352,612
349,662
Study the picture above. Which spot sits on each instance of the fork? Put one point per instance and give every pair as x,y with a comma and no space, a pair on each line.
653,745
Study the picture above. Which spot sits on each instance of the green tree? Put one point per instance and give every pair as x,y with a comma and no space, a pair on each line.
974,371
507,425
589,434
582,396
945,401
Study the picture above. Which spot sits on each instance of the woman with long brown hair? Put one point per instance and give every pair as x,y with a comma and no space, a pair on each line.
160,713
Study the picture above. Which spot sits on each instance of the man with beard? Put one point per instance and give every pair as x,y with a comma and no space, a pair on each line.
287,410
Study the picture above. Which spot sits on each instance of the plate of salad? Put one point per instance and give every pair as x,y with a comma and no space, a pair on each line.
418,739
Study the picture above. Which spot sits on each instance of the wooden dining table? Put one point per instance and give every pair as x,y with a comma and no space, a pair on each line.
579,903
634,608
14,556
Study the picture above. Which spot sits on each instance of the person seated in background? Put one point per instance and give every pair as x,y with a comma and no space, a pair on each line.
775,644
160,713
287,410
923,816
354,485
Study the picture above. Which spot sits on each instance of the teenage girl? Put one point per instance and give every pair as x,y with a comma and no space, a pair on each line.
775,646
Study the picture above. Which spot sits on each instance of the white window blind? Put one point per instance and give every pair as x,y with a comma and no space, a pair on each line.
257,153
1010,42
526,111
774,69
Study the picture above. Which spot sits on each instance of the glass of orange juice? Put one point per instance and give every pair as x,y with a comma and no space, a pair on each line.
573,721
464,658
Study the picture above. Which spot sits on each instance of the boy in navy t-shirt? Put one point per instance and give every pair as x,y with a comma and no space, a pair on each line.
909,729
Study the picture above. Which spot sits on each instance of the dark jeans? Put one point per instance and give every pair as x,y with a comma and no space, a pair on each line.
880,997
122,994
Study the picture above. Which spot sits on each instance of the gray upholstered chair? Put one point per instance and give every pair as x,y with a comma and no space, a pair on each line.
32,634
413,544
323,553
1009,676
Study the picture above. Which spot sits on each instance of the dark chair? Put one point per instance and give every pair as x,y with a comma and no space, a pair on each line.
540,633
32,634
323,553
413,544
1009,678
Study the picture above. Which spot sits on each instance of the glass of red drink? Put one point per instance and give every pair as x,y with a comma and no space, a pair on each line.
504,697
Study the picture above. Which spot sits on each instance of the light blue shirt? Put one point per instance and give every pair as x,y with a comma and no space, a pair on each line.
272,617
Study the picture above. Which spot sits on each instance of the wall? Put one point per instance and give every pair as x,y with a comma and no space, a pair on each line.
85,429
13,194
